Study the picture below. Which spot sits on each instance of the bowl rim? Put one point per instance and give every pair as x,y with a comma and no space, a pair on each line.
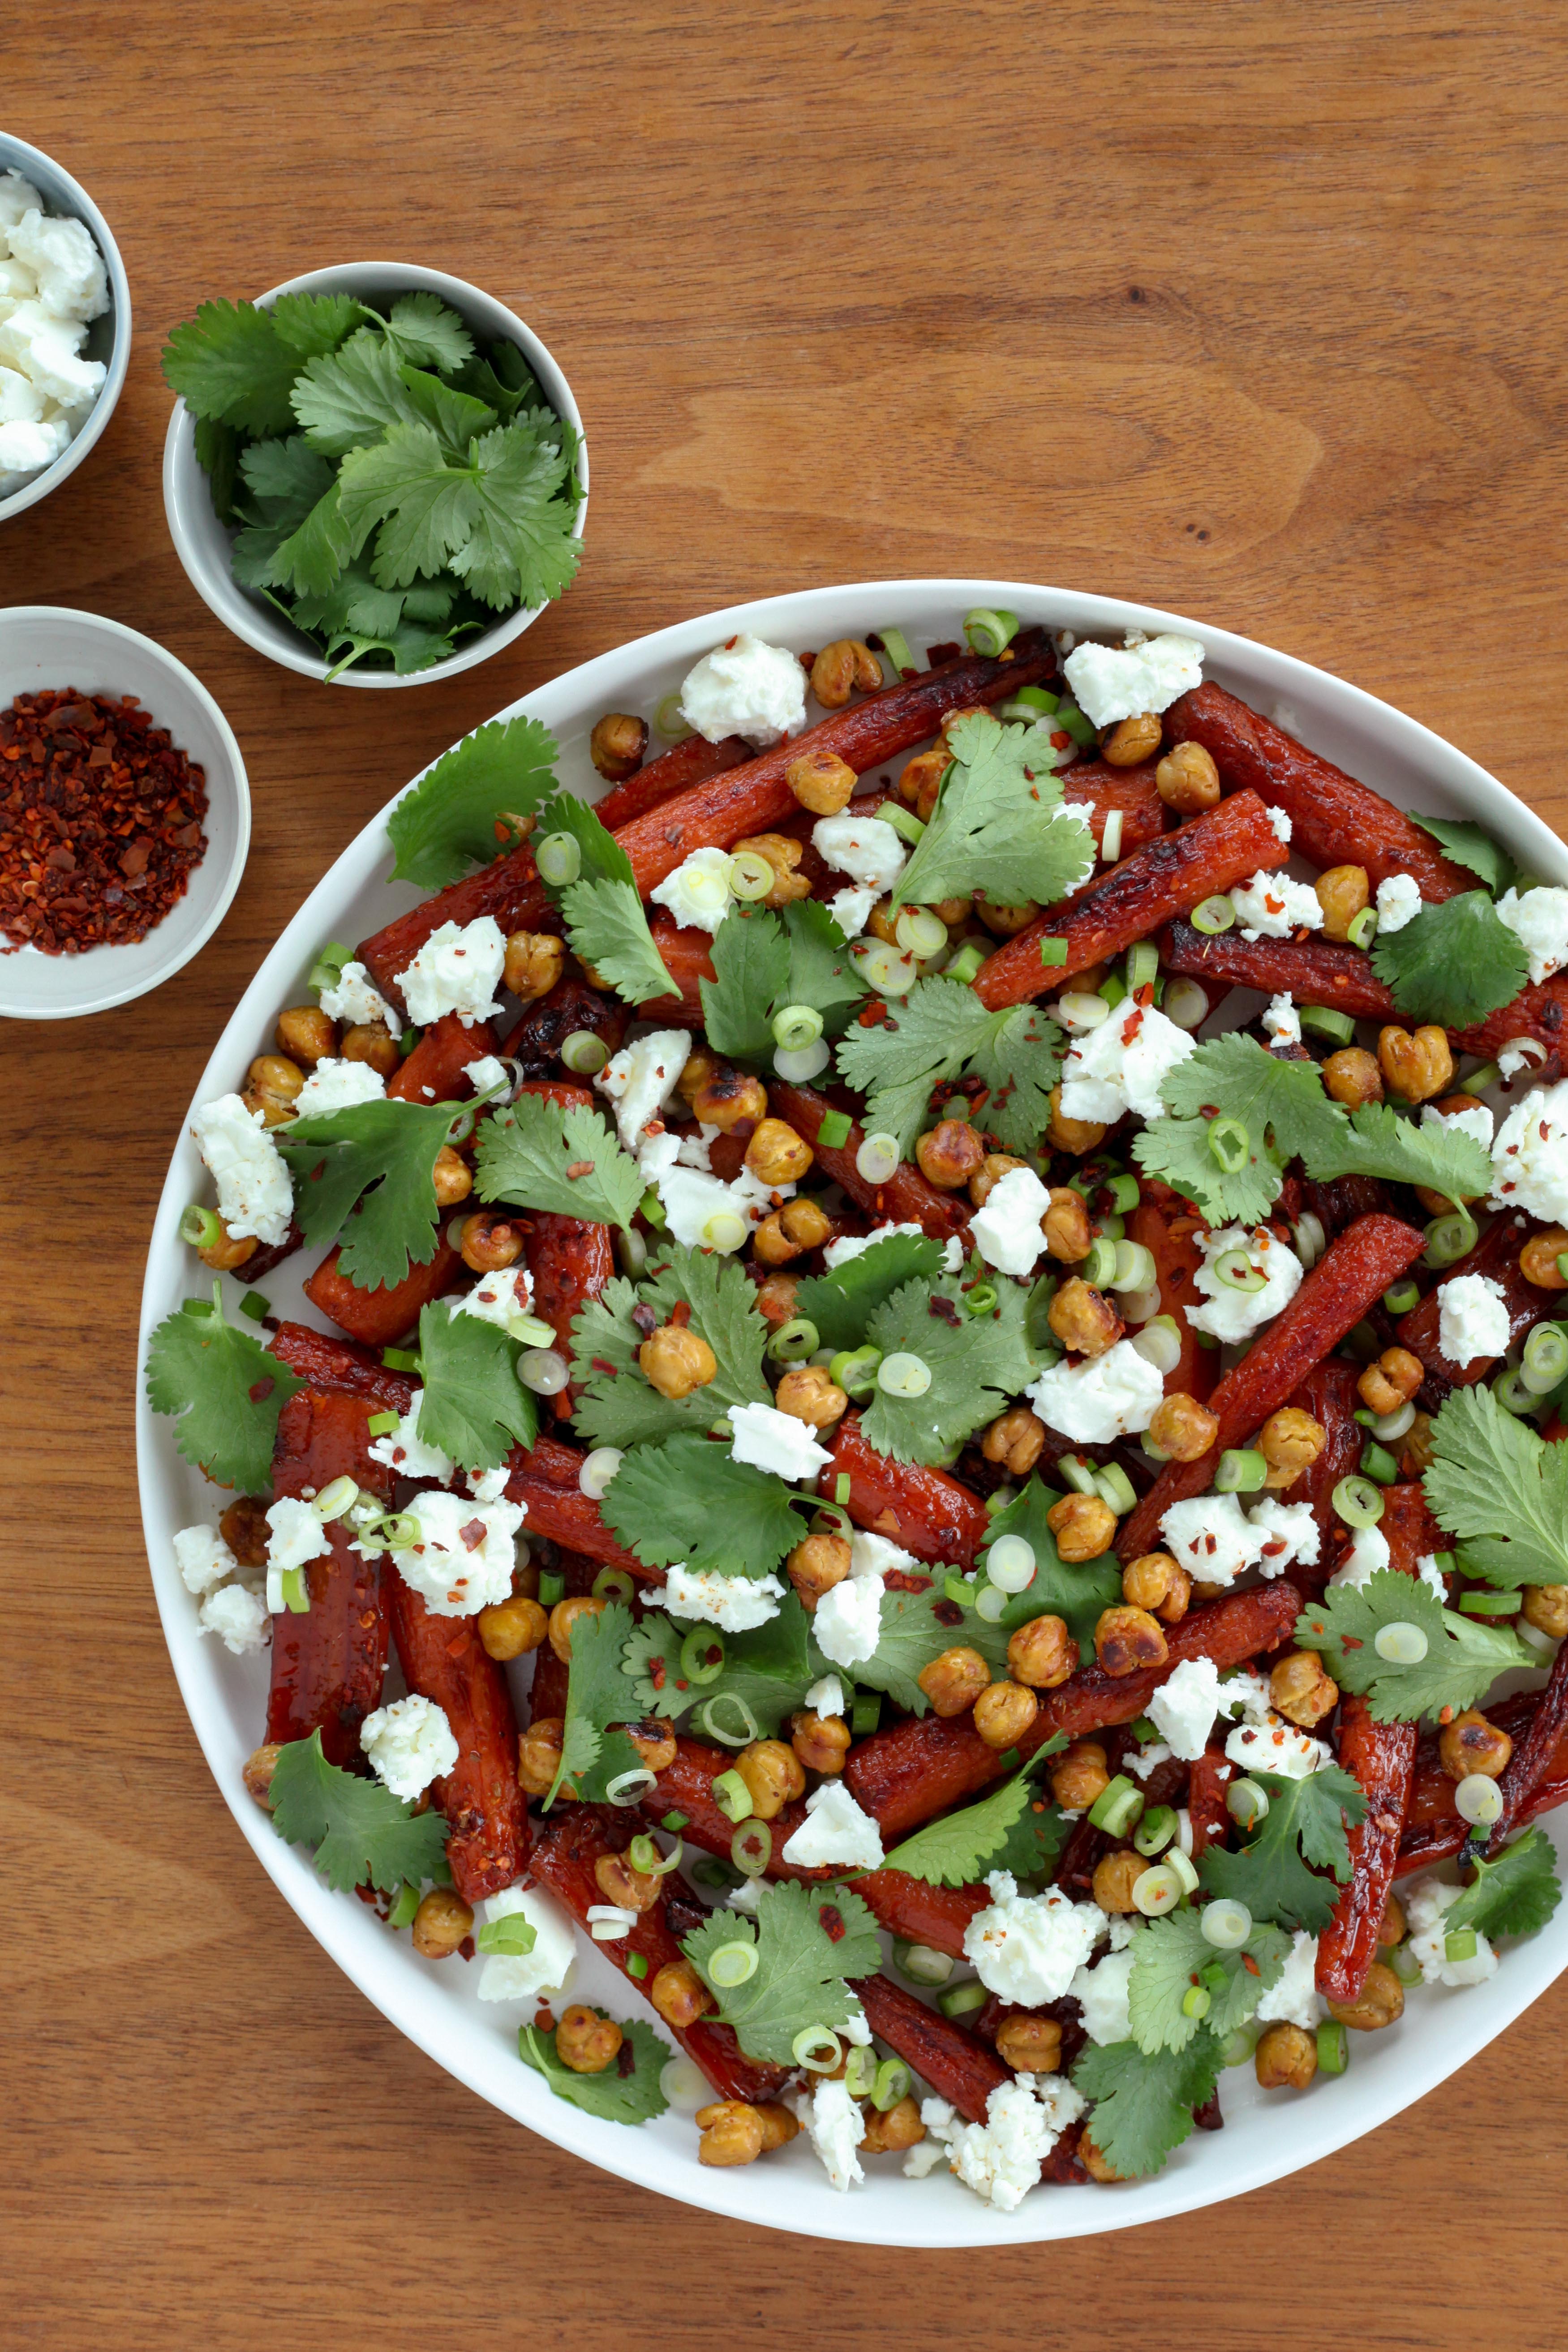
273,637
14,156
223,896
390,1978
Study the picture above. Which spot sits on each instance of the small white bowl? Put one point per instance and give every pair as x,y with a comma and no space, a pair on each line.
202,543
45,646
107,339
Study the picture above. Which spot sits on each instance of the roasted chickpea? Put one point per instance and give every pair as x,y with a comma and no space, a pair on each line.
617,744
1380,2002
798,1226
921,780
821,1741
1127,1641
889,2133
452,1176
1353,1077
1390,1927
809,1393
1075,1135
272,1087
1384,1386
229,1250
1187,780
372,1043
564,1615
949,1154
1290,1442
1300,1691
817,1565
1042,1653
1342,892
821,781
1004,1713
510,1629
989,1174
655,1742
1538,1259
619,1881
1415,1452
727,1096
784,855
585,2039
1083,1318
1131,740
1470,1744
490,1241
243,1529
1546,1607
1156,1582
1016,1440
305,1034
1083,1525
1115,1876
1098,2167
1285,2058
1182,1428
839,668
259,1768
954,1681
1066,1225
679,1994
534,962
1417,1067
777,1155
676,1359
773,1774
1080,1775
777,1297
731,2133
539,1755
441,1924
1006,917
1030,2045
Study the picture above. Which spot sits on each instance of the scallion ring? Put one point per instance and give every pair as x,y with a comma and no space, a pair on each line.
558,859
613,1584
1114,1488
400,1531
1401,1644
732,1797
732,1964
1186,1004
1230,1143
816,2049
1235,1267
1450,1238
628,1789
796,1027
725,1230
585,1052
1212,915
893,2084
598,1468
750,876
1241,1470
989,633
793,1342
1247,1803
1359,1502
752,1848
990,1604
670,722
200,1227
707,1721
1544,1364
1226,1924
1362,929
1401,1297
982,1300
876,1161
702,1655
335,1498
1158,1890
1160,1343
1011,1564
923,933
1099,1266
1476,1800
545,1371
1135,1268
904,1375
860,2070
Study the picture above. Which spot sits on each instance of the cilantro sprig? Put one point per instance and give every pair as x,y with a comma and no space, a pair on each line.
841,1303
763,961
766,1671
1143,2101
1463,1658
1452,963
382,1157
225,1389
977,1365
624,2093
1012,1823
1171,1955
461,811
1470,845
540,1154
1515,1895
599,1697
1075,1592
617,1405
605,920
998,829
362,1833
809,1941
940,1033
473,1406
1302,1834
1496,1485
688,1499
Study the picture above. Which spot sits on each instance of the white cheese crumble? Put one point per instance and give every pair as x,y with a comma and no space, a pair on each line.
771,1440
1477,1124
1183,1707
524,1975
736,1603
498,1298
486,1486
1215,1540
488,1072
1001,2159
465,1553
1108,684
1398,902
338,1086
1143,1761
848,1620
1007,1230
825,1697
698,893
1432,1576
1230,1314
1368,1553
404,1450
847,1245
851,909
1472,1318
1281,820
866,848
52,282
1424,1905
253,1195
640,1079
1027,1948
409,1744
692,1200
203,1558
836,1831
1246,1694
1539,920
295,1534
1294,1999
458,969
1119,1065
1113,1395
1281,1022
1273,905
745,687
1102,1993
354,997
239,1617
1277,1747
835,2125
1529,1157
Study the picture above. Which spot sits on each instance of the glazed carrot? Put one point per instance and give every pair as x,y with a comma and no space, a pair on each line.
270,1256
1355,1270
1496,1254
958,2067
1531,1760
545,1481
329,1663
1335,821
687,957
687,1787
906,1199
433,1071
926,1511
1169,1233
1313,972
1206,1787
689,762
1431,1790
326,1362
1328,1395
444,1659
571,1262
550,1678
918,1913
1536,1013
1092,790
571,1005
380,1317
1166,878
1381,1757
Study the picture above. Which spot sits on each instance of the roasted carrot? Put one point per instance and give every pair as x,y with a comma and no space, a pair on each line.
1496,1254
1328,1395
570,1006
958,2067
918,1913
545,1480
1313,972
1537,1012
687,957
690,763
1092,790
326,1362
444,1659
1531,1760
571,1262
1208,1783
433,1071
925,1511
906,1199
686,1786
1433,1831
1169,1233
329,1663
380,1317
1380,1755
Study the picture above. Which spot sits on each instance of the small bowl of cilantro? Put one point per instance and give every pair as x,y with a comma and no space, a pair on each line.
376,475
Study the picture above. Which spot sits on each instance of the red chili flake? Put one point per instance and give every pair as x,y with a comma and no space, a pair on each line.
898,1579
680,1314
832,1922
454,1649
729,644
578,1168
655,1674
1250,1965
1210,1545
1351,1643
943,1309
645,1317
472,1536
1131,1026
600,1365
948,1613
260,1390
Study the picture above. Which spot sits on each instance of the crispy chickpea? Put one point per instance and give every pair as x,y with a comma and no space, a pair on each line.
229,1250
1126,1640
989,1174
1006,917
452,1176
1342,892
777,1297
306,1033
1300,1691
731,2133
1075,1135
949,1154
1538,1259
1290,1442
882,924
272,1087
564,1615
1030,2045
809,1393
1131,740
1546,1607
921,780
1415,1452
798,1226
730,1096
817,1565
1417,1067
586,2041
1083,1318
259,1768
655,1742
1470,1744
777,1155
1042,1653
1390,1927
617,744
784,855
821,781
1004,1713
1115,1876
1187,780
1083,1525
1380,2002
619,1881
1016,1440
821,1741
842,666
1066,1225
679,1994
1080,1775
954,1681
243,1529
1158,1583
511,1629
1384,1386
1285,2058
534,962
773,1774
1098,2167
372,1042
675,1359
538,1754
889,2133
490,1241
1182,1428
441,1924
1353,1077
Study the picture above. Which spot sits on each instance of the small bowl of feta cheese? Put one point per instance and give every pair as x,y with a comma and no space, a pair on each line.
65,325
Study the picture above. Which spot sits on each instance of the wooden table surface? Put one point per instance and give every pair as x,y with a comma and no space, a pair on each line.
1256,311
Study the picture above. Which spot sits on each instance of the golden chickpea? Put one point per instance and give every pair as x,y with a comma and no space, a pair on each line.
1083,1318
839,668
1470,1744
1391,1382
1290,1442
890,2134
1127,1640
954,1681
452,1176
949,1154
259,1768
1182,1428
1016,1440
585,2039
1115,1876
617,744
1187,780
1300,1691
441,1924
1538,1259
307,1035
777,1155
821,781
243,1529
534,962
1080,1775
1066,1225
1416,1453
821,1741
728,1096
1342,892
1156,1582
490,1241
1030,2045
372,1043
773,1774
779,2126
1006,917
1042,1654
272,1087
809,1393
989,1174
777,1297
1004,1713
1075,1135
1285,2058
1416,1066
798,1226
654,1741
731,2133
784,855
564,1615
1353,1077
1390,1927
619,1881
229,1250
1546,1607
679,1994
921,780
696,1071
1083,1525
1098,2167
539,1755
1131,740
817,1565
1380,2002
676,1359
511,1629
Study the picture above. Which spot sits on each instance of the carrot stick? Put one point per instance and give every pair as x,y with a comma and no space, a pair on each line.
687,957
1313,972
1206,1787
1328,1395
906,1199
958,2067
1531,1760
1433,1831
686,1786
1496,1254
918,1913
545,1479
926,1511
433,1071
1092,790
325,1362
1170,1236
1535,1013
1381,1757
444,1660
690,762
381,1317
329,1663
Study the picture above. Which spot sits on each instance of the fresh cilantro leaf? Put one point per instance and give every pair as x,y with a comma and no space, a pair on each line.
1020,1060
1143,2104
347,400
1031,1847
217,455
474,1407
841,1303
616,1406
1305,1824
607,926
1515,1895
381,1155
362,1834
313,324
295,544
421,498
963,1845
226,1390
766,1671
999,829
286,475
482,380
1470,845
539,1154
800,1977
1076,1593
230,364
688,1499
598,1696
632,2097
353,604
821,973
1375,1141
454,816
1282,1106
519,546
1177,1152
411,648
1464,1655
751,969
1169,1955
934,1036
456,417
603,859
421,328
1496,1483
1452,963
912,1635
976,1365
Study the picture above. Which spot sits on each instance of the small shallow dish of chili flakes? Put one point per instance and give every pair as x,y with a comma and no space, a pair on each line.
124,813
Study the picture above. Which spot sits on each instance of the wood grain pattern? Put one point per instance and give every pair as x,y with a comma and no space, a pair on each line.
1253,310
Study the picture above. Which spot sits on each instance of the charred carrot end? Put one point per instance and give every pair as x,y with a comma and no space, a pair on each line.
444,1660
1313,972
675,771
327,1362
1093,791
958,2067
328,1662
925,1511
377,1318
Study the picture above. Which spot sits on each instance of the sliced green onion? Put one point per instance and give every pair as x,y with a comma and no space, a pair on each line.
732,1797
1212,915
513,1936
1123,1191
707,1720
816,2049
1242,1471
1247,1803
959,1589
1178,1864
1160,1343
854,1372
1404,1963
896,645
1142,966
1135,1268
1099,1264
843,1485
793,1342
1489,1604
1401,1297
795,1026
1327,1020
1333,2047
708,1871
1401,1644
335,1498
558,859
1514,1393
1156,1831
406,1043
989,632
963,2000
668,720
724,1231
585,1052
1111,836
982,1300
200,1227
1158,1891
1387,1426
1358,1502
652,1207
867,1712
552,1587
1196,2002
966,963
1362,929
1235,1267
860,2070
1376,1461
990,1603
613,1584
382,1424
904,1375
876,1161
890,970
732,1964
642,1853
296,1597
404,1906
598,1470
1144,1730
1114,1488
674,1822
1113,990
255,1308
1110,1227
1544,1363
920,932
1478,1799
923,1964
1117,1807
1011,1564
1450,1238
402,1529
891,2084
637,1965
1075,1472
833,1132
703,1657
1230,1142
1237,2047
1226,1924
903,820
1186,1004
1053,953
1082,731
750,875
1459,1944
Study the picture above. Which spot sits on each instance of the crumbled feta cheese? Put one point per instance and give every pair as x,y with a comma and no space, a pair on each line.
488,1071
338,1086
1246,1694
1119,1065
1232,1314
1294,2000
745,688
692,1200
203,1558
1143,1761
827,1697
486,1486
1281,820
1113,1395
1472,1318
405,1450
1281,1022
866,848
1477,1124
1398,902
1539,920
1183,1707
52,281
771,1440
698,893
928,2153
355,998
239,1617
851,909
1102,1993
409,1744
458,969
1432,1576
1026,1948
1288,1533
836,1831
736,1603
1001,2159
1214,1539
465,1553
848,1620
641,1078
66,263
253,1195
1272,904
1368,1552
1424,1905
1109,684
1529,1157
524,1976
1277,1747
836,2126
296,1535
17,196
1007,1230
496,1297
847,1245
1512,1060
